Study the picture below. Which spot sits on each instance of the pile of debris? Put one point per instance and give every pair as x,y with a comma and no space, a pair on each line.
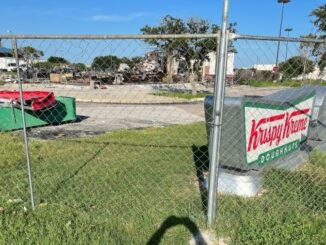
150,70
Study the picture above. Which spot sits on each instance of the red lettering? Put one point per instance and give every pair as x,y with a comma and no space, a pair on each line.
261,134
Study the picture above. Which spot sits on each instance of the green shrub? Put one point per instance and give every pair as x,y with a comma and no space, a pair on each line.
296,66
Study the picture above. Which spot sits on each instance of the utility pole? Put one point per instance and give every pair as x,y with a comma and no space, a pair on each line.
283,2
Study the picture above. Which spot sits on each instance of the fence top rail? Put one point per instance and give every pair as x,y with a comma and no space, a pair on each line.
143,37
159,36
274,38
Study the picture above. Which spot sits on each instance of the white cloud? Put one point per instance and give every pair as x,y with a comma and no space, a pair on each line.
118,18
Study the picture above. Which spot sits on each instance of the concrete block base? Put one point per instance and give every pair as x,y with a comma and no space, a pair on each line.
250,183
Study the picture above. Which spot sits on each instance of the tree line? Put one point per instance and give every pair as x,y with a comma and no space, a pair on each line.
192,51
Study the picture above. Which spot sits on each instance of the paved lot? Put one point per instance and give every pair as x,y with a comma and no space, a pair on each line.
130,94
98,118
125,107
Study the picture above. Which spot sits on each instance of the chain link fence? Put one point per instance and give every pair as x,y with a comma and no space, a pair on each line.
118,131
272,170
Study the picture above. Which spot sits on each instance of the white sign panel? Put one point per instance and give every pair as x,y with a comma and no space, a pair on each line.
273,131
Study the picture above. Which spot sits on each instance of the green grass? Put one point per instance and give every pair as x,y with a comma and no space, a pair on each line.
120,187
292,211
287,83
182,95
2,83
12,73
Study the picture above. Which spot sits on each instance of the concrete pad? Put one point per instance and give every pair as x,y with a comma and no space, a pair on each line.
131,93
100,118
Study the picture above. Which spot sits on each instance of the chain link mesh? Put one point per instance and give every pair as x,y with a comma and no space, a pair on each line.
272,178
119,142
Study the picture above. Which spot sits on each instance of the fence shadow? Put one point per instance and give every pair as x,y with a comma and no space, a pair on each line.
200,158
102,146
201,162
171,222
62,183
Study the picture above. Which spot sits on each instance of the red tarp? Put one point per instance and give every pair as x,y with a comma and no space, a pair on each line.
35,100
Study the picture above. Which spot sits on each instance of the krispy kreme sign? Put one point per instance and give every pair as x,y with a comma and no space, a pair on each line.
274,131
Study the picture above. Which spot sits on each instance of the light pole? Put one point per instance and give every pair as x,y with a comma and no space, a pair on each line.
283,2
12,45
288,30
12,42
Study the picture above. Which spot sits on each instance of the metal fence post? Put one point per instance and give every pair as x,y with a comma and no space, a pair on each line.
21,98
215,139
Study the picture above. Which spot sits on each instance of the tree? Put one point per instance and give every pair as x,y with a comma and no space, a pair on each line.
45,65
322,61
131,62
51,63
169,25
187,49
320,18
57,60
196,51
296,66
112,62
79,66
30,54
103,63
319,50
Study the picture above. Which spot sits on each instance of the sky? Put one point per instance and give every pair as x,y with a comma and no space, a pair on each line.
254,17
128,16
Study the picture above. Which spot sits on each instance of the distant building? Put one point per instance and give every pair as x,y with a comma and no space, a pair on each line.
7,60
264,67
39,61
209,67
